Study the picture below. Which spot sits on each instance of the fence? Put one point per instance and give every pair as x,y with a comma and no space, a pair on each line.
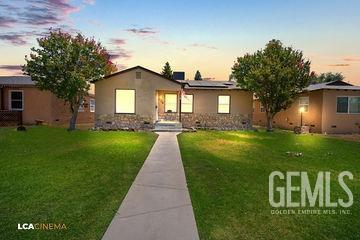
9,118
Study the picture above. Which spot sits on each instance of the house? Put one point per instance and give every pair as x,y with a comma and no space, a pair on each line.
21,100
140,98
332,107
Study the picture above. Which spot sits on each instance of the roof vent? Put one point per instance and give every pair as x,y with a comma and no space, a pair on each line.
179,75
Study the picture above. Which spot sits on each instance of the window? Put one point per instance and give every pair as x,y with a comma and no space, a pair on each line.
187,103
92,105
262,108
354,104
138,75
124,101
224,104
348,105
16,100
342,105
171,102
81,107
304,103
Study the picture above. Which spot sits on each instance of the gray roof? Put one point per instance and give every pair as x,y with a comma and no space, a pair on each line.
206,84
16,80
340,85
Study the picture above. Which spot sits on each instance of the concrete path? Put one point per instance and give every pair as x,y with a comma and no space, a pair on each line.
158,205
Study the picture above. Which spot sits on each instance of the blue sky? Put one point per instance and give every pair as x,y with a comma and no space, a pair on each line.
191,35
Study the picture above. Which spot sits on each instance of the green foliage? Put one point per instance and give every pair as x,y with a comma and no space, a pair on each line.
276,74
64,65
328,77
167,71
198,75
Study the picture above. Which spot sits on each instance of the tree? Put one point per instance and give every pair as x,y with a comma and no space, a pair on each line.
166,71
65,64
276,75
328,77
198,75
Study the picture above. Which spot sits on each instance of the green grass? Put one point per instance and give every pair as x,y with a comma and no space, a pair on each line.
228,175
49,175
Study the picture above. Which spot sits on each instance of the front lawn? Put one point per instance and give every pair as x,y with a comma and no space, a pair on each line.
49,175
228,175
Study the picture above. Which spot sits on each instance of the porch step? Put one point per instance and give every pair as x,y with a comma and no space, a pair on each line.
168,126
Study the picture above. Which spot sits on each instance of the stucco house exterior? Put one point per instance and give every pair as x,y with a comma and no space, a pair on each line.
140,98
332,107
21,100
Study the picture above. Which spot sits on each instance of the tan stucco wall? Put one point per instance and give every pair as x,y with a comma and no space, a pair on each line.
206,101
345,123
43,105
145,91
290,118
37,104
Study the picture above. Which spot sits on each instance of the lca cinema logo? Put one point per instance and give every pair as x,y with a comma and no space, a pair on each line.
41,226
294,193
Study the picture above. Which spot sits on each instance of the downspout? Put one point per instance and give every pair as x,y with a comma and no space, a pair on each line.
180,102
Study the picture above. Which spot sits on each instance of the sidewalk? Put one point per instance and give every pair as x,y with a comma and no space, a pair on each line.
158,205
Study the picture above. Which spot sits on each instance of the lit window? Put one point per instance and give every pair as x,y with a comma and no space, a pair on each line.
354,104
224,104
16,100
187,103
304,103
170,102
125,101
92,105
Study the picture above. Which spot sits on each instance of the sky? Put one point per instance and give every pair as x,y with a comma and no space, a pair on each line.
190,35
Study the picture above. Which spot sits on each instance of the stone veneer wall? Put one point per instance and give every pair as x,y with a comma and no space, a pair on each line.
123,121
189,120
169,116
216,121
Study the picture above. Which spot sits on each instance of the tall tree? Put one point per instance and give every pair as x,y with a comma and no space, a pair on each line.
328,77
65,65
198,75
167,71
276,75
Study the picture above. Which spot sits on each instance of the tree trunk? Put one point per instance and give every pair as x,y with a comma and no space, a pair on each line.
269,118
74,113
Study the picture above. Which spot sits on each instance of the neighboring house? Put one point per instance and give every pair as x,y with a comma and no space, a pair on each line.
20,100
140,98
332,107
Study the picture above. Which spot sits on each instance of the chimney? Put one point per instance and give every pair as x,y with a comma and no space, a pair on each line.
179,75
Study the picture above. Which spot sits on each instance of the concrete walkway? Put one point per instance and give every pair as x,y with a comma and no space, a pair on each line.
157,206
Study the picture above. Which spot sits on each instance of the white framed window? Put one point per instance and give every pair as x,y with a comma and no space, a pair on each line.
354,104
224,104
124,101
170,102
304,103
349,104
81,106
262,108
187,103
16,100
92,105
